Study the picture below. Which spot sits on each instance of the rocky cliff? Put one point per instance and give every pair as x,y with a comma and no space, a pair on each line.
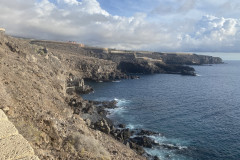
136,61
40,83
189,59
33,85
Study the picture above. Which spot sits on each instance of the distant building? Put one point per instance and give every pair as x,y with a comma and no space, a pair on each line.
81,45
2,30
105,50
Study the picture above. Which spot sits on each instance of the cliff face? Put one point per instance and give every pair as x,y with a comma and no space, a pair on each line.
129,61
33,84
190,59
86,63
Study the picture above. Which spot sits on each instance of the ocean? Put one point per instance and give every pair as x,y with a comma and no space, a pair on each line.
200,115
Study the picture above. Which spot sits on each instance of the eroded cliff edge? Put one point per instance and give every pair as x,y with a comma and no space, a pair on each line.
136,62
38,79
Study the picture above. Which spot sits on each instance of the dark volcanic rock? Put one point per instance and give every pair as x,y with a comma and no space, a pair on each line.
137,148
156,158
145,67
185,72
103,126
12,47
124,134
146,132
121,125
83,89
170,146
134,77
176,69
135,67
109,104
143,141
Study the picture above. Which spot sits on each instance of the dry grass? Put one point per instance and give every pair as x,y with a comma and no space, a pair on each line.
88,147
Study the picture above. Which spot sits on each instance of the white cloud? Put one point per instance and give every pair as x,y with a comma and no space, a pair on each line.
71,2
85,21
214,34
44,8
93,7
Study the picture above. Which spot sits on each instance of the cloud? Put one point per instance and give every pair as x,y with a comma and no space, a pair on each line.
84,21
70,2
92,7
87,22
44,8
214,34
174,7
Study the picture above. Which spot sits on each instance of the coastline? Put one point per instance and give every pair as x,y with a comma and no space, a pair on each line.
41,82
140,139
210,75
136,139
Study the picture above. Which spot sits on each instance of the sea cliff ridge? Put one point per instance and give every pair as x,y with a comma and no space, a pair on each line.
40,87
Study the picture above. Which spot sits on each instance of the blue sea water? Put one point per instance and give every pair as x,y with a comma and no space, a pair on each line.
200,115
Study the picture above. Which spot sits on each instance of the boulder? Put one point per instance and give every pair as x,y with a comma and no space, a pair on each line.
137,148
143,141
103,126
146,132
124,134
156,158
83,89
121,125
170,146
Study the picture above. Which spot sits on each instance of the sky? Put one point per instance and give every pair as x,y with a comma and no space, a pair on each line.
154,25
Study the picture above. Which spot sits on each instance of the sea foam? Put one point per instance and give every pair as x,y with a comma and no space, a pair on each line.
122,102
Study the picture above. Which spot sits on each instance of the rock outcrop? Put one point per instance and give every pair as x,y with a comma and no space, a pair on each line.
77,85
189,59
144,67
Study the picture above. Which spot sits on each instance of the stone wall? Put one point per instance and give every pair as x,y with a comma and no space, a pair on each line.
12,144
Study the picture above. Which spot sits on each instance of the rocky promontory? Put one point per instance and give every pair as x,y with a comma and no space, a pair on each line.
41,83
132,62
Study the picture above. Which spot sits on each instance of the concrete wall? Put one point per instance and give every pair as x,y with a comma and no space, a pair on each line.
13,146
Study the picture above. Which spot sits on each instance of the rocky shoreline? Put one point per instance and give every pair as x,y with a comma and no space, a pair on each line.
41,83
95,113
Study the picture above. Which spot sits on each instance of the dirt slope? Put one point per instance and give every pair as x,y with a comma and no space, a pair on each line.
33,94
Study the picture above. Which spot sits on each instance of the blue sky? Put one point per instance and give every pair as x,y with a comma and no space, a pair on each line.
156,25
127,7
